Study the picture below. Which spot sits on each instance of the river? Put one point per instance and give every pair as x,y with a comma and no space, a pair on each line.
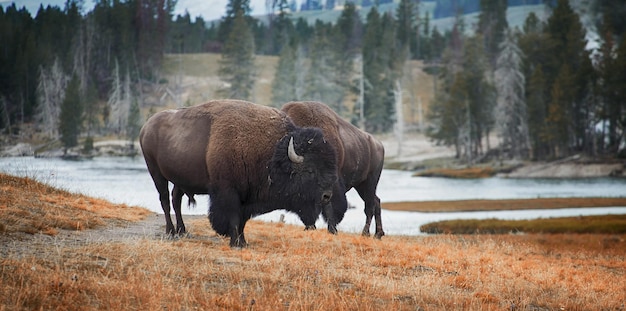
126,180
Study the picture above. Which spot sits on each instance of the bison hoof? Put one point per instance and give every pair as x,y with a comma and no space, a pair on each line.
379,235
332,229
239,244
311,227
365,233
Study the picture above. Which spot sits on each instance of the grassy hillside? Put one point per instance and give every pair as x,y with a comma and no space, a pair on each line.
285,268
194,78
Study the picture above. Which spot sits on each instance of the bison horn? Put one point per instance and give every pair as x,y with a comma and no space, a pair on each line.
293,156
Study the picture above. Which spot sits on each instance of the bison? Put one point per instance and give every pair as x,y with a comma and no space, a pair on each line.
359,161
249,159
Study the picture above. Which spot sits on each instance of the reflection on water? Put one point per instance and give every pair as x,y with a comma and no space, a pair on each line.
126,180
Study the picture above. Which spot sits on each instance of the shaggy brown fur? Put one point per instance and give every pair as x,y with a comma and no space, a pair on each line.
360,159
236,152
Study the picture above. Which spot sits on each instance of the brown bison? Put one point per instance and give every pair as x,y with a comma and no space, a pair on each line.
359,161
249,159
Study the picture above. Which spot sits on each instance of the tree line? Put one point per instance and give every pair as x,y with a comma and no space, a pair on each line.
75,74
545,92
540,88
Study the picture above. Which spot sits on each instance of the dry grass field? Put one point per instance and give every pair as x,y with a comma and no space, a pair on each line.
61,251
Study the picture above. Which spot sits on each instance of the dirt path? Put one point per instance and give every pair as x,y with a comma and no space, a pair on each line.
19,244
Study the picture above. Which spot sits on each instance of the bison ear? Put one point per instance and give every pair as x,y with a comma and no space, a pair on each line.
291,152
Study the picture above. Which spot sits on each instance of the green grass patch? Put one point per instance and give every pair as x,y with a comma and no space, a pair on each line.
606,224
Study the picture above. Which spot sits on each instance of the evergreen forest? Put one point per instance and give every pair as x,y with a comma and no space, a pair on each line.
545,89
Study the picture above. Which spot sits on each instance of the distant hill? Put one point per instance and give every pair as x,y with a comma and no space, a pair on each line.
516,15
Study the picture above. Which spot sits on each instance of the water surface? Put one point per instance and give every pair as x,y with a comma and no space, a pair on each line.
126,180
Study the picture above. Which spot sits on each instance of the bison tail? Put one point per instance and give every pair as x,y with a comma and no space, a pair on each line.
192,200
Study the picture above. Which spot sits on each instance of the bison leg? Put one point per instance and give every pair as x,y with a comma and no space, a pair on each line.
237,239
164,197
226,217
372,208
161,185
177,198
379,221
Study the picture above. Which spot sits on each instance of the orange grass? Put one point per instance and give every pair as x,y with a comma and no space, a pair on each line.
29,206
505,204
470,172
287,268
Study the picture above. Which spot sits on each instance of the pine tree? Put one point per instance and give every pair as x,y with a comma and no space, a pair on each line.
280,29
535,46
378,57
405,16
511,115
559,115
228,20
448,115
346,43
70,118
283,85
492,24
151,22
567,48
619,106
237,62
481,94
537,113
613,92
321,76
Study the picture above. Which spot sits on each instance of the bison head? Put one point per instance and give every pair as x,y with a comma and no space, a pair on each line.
303,171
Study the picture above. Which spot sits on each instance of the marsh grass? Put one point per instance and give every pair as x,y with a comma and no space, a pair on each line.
503,204
606,224
286,268
470,172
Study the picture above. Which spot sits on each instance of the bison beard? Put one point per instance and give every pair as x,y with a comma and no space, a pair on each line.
290,185
239,154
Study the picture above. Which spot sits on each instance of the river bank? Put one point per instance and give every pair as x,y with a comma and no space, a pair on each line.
416,154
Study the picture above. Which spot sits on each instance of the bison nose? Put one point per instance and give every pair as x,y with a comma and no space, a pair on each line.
326,197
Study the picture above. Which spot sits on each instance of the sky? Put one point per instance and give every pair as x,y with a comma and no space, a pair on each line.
208,9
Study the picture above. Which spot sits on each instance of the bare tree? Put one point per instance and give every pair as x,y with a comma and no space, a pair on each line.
50,95
398,128
119,101
511,114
